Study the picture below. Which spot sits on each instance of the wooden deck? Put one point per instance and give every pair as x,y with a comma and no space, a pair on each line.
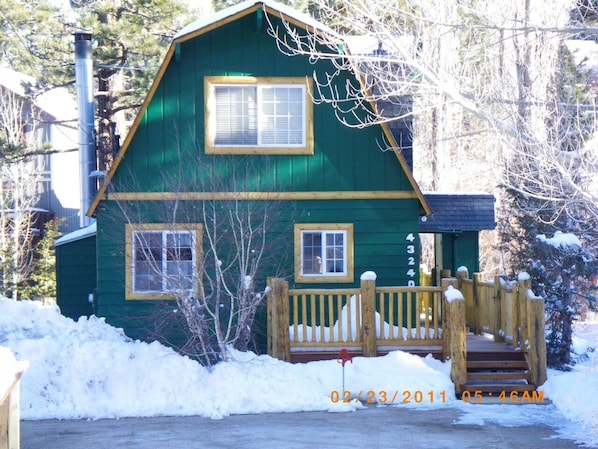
475,344
369,321
480,343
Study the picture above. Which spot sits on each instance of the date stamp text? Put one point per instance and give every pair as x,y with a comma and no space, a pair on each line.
389,396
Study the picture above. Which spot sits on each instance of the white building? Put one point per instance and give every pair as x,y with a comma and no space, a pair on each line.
55,130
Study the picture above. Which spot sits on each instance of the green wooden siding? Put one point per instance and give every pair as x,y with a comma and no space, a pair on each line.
76,276
345,158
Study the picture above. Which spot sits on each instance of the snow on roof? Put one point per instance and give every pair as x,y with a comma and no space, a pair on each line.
561,240
77,235
369,44
14,81
248,4
57,102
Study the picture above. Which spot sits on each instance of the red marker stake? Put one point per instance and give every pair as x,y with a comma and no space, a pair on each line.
343,358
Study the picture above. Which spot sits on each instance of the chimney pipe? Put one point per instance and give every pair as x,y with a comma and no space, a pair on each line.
85,102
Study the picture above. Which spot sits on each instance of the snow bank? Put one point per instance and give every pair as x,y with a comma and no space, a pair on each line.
574,395
88,369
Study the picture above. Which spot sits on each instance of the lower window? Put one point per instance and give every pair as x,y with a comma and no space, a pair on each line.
323,253
162,262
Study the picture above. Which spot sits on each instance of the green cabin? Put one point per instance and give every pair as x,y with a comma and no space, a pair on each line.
233,123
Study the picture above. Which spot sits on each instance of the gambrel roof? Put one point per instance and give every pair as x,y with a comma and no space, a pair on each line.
221,18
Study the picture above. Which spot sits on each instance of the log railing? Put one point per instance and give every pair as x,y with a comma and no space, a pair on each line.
366,319
510,312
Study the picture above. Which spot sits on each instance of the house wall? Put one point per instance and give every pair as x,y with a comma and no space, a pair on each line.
166,154
76,276
460,250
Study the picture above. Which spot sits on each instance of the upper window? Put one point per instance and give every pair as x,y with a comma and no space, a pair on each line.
162,262
324,253
247,115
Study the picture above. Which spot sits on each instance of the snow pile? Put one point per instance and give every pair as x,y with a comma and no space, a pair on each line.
88,369
574,392
561,240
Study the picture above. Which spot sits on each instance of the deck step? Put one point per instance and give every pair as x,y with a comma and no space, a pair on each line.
498,387
485,356
499,375
496,364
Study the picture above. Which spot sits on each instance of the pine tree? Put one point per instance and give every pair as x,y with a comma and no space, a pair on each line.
42,283
560,257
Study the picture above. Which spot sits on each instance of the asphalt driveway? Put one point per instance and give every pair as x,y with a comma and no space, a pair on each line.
373,427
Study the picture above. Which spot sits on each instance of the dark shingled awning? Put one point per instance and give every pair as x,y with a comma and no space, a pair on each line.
457,213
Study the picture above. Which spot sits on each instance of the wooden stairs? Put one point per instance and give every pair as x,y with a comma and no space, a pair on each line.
495,368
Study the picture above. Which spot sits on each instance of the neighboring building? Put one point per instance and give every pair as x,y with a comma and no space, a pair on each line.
50,122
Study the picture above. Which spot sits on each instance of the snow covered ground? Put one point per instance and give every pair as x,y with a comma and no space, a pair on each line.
88,369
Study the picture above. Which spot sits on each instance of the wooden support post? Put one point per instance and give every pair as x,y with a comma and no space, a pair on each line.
498,305
278,319
6,434
368,313
445,282
10,430
457,346
537,340
444,274
479,306
462,275
525,286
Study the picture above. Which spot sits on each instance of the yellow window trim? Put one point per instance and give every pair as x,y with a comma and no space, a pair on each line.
210,81
316,279
129,228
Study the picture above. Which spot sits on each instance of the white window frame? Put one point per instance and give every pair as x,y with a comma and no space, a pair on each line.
325,275
260,84
165,291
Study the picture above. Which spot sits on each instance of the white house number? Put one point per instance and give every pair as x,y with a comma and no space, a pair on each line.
410,247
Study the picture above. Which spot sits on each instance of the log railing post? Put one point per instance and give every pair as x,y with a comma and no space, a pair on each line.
525,286
368,313
537,340
499,305
457,346
462,275
470,310
446,331
278,319
10,430
480,306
